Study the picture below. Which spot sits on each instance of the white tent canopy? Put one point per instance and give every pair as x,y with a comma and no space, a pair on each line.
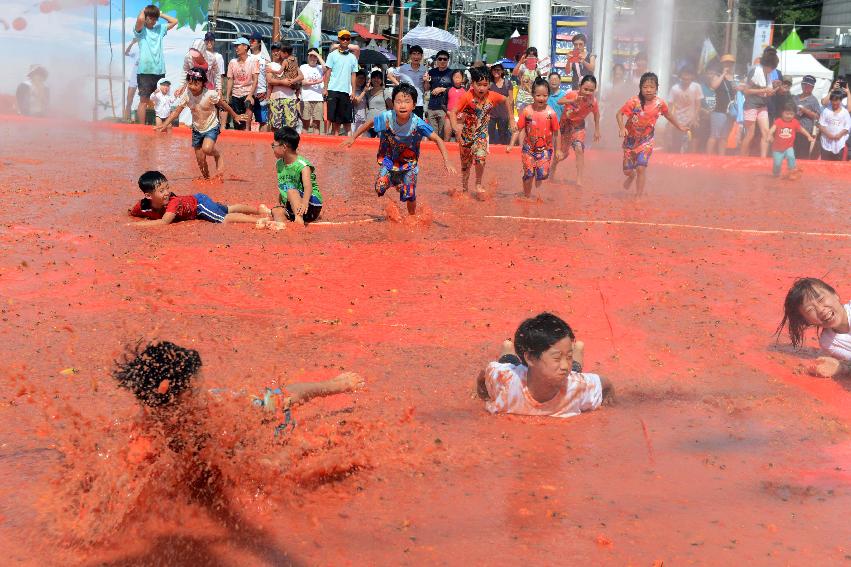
795,65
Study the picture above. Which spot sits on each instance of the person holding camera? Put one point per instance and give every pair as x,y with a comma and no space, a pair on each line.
808,110
722,81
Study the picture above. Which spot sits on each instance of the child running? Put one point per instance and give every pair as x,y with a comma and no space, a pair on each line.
783,133
577,106
295,173
637,125
161,206
475,107
400,131
538,135
204,105
540,373
812,303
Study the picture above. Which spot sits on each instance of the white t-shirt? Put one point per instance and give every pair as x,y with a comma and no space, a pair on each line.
133,60
261,66
163,103
506,384
312,93
278,91
833,123
684,103
220,61
415,77
205,113
836,344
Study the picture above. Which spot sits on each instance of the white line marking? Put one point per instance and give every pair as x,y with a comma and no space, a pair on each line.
674,225
340,223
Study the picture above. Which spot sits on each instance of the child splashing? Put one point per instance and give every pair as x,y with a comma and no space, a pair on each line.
204,105
812,303
577,106
544,376
637,125
538,135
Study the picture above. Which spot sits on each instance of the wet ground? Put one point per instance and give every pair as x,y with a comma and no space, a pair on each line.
720,450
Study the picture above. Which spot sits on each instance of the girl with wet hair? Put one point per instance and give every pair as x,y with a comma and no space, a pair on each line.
540,373
637,126
811,302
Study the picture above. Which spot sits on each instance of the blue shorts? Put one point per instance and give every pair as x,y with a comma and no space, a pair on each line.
209,210
198,137
261,111
404,181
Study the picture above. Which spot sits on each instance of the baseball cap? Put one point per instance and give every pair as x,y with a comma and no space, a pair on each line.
727,57
808,80
257,36
343,33
240,41
209,36
163,81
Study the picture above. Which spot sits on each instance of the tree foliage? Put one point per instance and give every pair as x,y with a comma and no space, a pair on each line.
190,13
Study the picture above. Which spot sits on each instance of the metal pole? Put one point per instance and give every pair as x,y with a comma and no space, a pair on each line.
95,18
540,26
401,32
446,21
422,13
276,22
734,39
729,31
123,58
295,7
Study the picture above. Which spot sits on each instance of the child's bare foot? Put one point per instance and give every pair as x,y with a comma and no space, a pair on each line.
264,210
348,381
481,194
578,352
825,367
262,223
392,212
627,183
507,347
794,175
579,182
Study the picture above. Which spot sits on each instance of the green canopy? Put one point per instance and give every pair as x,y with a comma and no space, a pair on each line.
792,42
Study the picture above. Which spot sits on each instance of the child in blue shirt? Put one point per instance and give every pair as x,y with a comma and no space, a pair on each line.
400,133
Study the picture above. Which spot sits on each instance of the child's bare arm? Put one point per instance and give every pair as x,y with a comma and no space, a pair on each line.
347,143
621,129
442,147
223,105
168,218
301,392
597,126
172,22
171,118
673,120
140,21
307,184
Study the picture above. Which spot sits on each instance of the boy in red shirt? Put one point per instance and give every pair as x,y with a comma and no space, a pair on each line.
538,134
474,108
783,135
161,206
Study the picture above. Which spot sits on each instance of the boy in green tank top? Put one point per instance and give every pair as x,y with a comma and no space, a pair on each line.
295,173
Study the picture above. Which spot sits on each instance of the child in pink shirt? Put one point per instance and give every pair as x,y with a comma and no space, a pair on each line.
545,375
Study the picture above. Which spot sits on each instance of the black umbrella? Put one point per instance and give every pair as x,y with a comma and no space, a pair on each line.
373,57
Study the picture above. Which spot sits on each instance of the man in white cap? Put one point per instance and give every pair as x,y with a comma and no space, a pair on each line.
242,83
809,110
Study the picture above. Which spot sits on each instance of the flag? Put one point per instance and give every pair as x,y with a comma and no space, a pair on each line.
310,21
707,54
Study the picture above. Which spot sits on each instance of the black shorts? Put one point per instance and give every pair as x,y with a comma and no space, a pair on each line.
237,103
311,215
339,107
147,84
830,156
